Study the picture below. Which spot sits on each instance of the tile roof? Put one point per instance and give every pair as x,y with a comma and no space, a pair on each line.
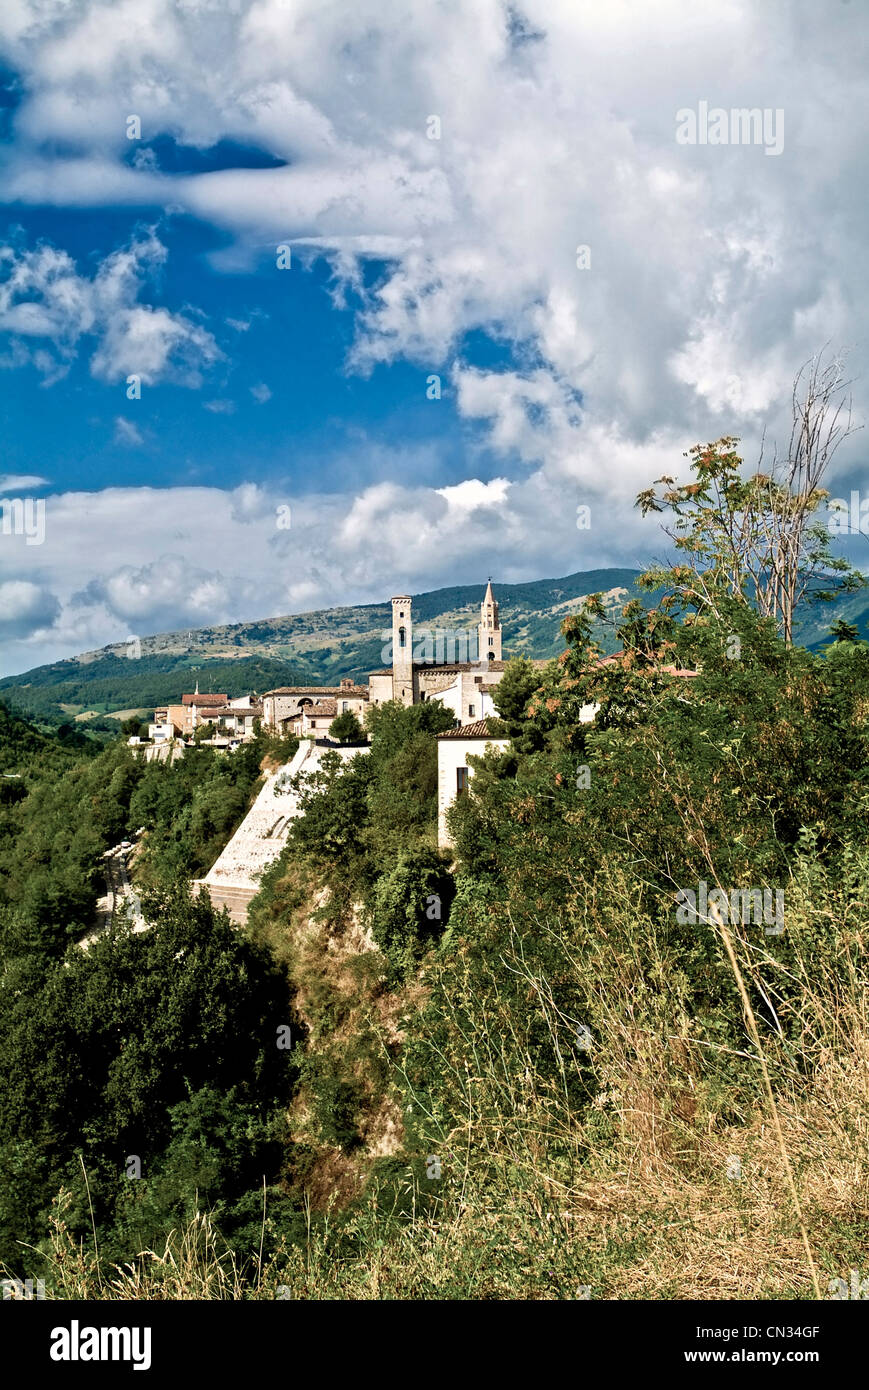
481,666
203,700
323,709
479,729
451,667
344,690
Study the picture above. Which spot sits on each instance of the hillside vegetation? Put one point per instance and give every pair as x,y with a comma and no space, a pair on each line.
322,646
613,1045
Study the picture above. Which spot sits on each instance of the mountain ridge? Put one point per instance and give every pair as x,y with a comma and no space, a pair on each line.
317,646
321,645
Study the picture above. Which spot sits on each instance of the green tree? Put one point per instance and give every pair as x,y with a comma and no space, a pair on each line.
511,698
98,1051
842,631
346,728
410,908
757,539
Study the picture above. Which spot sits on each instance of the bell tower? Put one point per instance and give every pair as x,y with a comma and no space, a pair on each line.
490,628
402,650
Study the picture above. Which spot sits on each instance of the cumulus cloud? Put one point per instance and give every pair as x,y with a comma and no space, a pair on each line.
714,271
158,559
167,590
26,609
710,273
473,494
47,309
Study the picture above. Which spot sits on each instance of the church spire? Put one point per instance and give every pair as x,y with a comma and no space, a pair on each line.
490,627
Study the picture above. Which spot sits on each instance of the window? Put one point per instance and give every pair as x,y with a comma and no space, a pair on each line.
402,637
471,709
343,706
491,640
461,779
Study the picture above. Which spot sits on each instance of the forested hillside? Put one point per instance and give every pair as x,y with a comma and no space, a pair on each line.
611,1044
443,1072
56,693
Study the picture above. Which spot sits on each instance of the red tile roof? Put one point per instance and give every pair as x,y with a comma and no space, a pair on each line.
203,700
227,712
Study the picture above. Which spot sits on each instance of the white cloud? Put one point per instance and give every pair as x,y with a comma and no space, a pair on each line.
20,482
472,494
156,559
47,308
26,609
714,270
261,393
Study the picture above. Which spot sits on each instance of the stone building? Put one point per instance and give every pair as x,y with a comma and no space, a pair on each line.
314,719
187,716
284,705
458,667
439,664
230,720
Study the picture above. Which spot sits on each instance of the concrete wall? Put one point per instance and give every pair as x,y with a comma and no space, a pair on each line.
234,877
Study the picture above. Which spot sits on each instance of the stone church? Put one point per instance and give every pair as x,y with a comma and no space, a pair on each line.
458,667
439,664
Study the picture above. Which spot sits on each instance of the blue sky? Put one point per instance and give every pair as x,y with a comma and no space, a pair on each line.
279,407
435,173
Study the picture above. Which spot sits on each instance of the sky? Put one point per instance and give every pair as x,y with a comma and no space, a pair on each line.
306,303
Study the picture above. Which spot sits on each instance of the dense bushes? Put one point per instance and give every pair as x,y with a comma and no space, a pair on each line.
159,1045
361,815
410,906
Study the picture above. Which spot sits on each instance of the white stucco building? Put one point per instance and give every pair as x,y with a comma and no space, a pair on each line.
454,772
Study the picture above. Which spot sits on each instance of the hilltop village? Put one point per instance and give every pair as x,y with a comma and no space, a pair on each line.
421,669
